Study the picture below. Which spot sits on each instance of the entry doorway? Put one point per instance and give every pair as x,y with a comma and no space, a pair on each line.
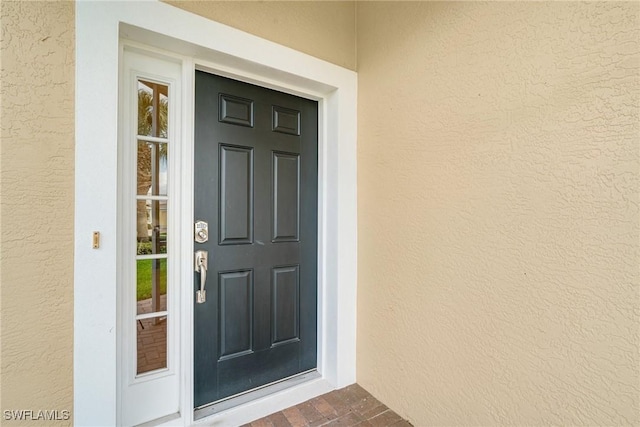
104,340
254,292
256,226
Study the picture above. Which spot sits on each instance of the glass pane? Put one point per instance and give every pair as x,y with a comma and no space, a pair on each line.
152,344
151,288
151,226
153,108
151,233
152,168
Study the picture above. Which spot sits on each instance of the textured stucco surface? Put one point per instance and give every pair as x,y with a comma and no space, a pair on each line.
498,200
498,211
37,164
324,29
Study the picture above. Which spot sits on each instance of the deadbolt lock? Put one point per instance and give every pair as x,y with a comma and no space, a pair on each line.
201,231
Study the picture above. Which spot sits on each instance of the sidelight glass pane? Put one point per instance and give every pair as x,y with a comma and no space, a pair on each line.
152,344
151,287
152,164
153,108
152,169
151,228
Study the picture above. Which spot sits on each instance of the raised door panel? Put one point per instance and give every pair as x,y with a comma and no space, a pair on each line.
236,110
286,197
236,195
285,120
285,285
236,313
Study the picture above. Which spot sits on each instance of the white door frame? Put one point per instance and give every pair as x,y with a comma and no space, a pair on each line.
205,44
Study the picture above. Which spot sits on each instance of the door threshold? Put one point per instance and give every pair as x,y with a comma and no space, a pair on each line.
160,421
254,394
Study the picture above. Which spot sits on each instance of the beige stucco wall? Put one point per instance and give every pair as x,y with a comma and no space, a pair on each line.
498,199
324,29
36,169
498,211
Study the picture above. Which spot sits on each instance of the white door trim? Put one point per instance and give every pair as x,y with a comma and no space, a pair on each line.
202,43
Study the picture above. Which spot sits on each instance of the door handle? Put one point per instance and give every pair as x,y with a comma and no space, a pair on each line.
202,258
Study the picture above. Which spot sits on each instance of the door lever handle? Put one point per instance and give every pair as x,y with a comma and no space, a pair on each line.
202,258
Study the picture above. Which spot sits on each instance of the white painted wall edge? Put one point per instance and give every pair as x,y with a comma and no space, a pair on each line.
261,61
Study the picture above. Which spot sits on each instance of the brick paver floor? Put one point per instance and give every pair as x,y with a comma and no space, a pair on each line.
152,338
350,406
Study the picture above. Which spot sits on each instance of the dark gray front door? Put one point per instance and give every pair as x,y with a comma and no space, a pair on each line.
256,181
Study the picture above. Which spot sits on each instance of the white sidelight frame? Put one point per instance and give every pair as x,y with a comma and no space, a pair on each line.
199,43
163,384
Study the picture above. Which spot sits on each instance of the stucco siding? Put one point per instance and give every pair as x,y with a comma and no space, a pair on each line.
37,174
498,202
498,211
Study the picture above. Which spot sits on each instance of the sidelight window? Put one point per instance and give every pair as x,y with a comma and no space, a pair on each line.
149,149
151,235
